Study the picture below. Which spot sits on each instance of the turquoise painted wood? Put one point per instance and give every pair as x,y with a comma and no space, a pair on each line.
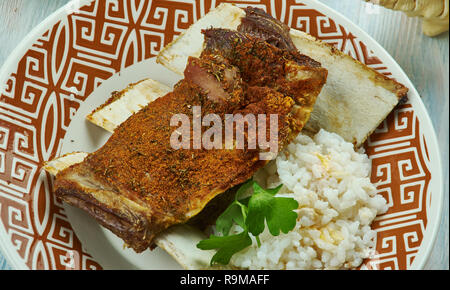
425,60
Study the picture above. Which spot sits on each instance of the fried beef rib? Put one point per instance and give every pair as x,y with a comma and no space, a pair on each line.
137,185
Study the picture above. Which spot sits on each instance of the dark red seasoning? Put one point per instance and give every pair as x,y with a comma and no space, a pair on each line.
238,74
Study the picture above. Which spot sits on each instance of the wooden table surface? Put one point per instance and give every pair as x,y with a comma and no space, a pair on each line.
425,60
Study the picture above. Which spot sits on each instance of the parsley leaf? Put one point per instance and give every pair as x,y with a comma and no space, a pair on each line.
251,214
236,212
277,211
227,246
233,213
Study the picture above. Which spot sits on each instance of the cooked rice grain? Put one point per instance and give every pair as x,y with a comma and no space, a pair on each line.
338,203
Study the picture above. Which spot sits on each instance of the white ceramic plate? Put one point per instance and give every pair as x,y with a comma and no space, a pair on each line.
71,63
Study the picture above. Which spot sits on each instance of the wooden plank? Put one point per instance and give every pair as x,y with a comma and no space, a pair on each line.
19,17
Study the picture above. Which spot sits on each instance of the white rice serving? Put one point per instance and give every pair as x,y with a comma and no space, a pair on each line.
337,204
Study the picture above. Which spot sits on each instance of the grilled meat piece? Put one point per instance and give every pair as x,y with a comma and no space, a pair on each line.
259,24
137,185
263,26
263,66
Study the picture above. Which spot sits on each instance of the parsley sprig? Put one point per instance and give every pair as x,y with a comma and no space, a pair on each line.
251,213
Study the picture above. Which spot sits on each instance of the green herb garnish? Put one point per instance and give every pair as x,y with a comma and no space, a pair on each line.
251,214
